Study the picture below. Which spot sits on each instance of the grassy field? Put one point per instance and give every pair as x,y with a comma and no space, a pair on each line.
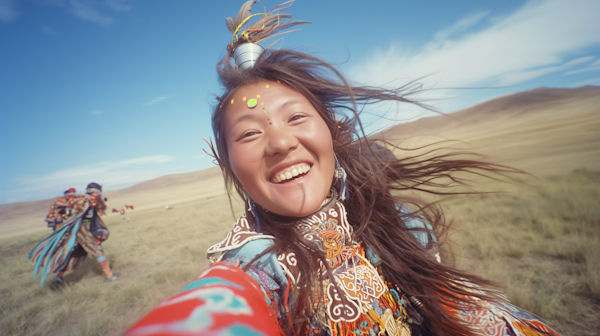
155,252
540,242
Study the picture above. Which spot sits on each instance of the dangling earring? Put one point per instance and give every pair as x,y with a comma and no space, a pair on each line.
340,173
252,208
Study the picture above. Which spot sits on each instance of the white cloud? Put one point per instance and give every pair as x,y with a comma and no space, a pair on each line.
523,75
460,26
156,100
101,13
119,6
86,11
111,175
540,38
591,67
8,12
97,112
48,30
592,81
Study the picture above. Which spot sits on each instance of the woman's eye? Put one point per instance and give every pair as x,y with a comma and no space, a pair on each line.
248,134
296,117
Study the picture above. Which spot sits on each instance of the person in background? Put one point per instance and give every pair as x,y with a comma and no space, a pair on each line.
79,234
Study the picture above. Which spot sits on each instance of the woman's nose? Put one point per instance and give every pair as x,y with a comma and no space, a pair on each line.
280,141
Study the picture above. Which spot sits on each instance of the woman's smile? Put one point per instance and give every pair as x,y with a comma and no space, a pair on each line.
291,173
280,148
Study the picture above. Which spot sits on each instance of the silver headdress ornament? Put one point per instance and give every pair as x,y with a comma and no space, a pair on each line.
244,47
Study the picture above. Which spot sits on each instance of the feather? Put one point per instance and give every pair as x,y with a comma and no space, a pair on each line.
269,25
71,242
244,12
44,250
53,253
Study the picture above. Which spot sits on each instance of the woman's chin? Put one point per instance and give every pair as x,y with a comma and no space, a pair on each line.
296,211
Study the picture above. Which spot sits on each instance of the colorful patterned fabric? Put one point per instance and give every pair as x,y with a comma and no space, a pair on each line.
373,306
370,303
73,239
59,210
223,300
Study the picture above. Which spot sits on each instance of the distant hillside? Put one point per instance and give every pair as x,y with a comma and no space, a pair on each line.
509,106
159,192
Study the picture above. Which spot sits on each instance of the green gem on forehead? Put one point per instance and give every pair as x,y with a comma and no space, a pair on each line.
252,102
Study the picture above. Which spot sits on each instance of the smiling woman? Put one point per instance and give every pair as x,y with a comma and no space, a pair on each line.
332,236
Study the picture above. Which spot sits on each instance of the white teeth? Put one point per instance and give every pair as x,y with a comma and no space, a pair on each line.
289,174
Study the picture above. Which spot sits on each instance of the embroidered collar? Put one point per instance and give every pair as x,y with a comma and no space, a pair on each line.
243,230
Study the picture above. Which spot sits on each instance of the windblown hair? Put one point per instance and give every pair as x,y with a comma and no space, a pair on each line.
373,180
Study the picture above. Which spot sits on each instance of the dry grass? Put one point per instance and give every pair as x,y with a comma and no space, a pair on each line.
156,252
540,243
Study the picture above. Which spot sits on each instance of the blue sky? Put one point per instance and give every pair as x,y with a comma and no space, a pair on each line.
120,91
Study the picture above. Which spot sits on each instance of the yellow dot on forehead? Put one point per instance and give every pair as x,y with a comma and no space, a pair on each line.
279,82
244,99
252,102
267,86
232,102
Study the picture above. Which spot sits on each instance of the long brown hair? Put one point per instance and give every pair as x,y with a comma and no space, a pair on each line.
376,184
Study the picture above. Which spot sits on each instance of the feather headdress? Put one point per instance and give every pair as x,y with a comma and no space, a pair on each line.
270,25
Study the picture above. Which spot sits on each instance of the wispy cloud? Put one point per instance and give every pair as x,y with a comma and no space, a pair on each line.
88,11
461,26
48,30
97,112
98,12
8,11
592,81
595,66
111,175
156,100
540,38
119,6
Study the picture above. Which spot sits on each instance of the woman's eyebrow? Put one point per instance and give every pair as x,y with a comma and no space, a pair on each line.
291,102
245,116
251,115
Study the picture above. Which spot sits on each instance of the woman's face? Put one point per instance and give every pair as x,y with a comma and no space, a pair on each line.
280,148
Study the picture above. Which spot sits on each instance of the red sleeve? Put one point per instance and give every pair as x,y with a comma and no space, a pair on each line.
223,300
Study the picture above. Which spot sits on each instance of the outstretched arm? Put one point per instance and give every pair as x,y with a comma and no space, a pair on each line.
223,300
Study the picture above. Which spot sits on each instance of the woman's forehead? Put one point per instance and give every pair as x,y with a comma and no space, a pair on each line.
261,97
257,92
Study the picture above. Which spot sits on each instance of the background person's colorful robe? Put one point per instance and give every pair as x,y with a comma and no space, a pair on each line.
73,239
